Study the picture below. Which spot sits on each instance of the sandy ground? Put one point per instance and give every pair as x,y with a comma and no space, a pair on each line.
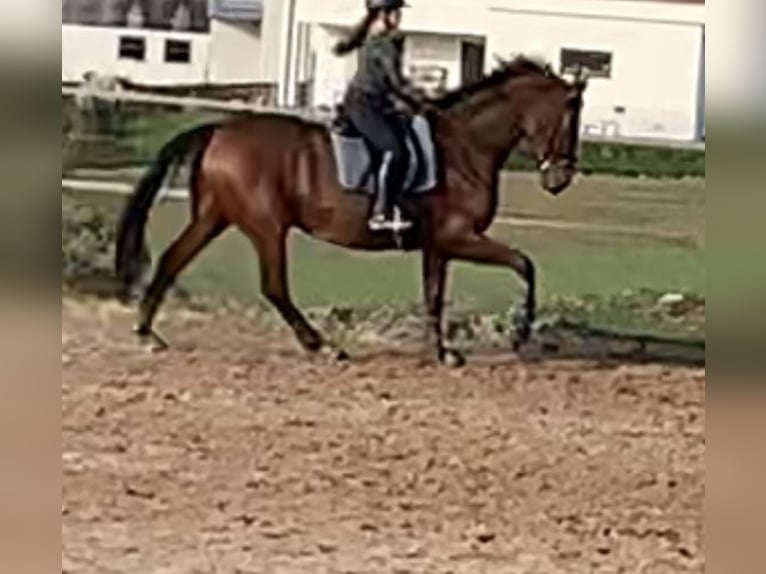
233,453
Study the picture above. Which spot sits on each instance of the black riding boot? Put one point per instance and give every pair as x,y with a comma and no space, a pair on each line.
385,216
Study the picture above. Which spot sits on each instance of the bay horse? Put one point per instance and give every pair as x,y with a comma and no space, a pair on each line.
269,173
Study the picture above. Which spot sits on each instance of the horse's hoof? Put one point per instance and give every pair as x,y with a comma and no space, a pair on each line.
342,355
451,359
150,340
333,354
521,336
339,355
519,341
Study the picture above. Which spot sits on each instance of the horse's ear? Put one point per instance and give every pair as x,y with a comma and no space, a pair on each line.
500,62
581,78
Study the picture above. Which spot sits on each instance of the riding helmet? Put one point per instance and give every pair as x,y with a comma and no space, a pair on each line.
385,4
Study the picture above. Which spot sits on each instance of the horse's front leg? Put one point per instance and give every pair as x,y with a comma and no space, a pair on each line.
480,249
434,283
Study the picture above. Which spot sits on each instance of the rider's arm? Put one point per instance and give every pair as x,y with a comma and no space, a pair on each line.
390,60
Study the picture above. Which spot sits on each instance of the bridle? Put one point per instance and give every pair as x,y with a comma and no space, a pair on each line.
551,159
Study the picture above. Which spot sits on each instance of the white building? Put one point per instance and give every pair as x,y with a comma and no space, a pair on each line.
646,57
236,46
445,43
143,56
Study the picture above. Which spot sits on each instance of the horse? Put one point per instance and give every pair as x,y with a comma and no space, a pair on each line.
268,174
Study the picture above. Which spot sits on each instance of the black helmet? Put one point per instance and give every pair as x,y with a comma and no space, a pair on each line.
385,4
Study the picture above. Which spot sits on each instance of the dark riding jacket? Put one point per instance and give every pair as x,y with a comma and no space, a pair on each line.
379,81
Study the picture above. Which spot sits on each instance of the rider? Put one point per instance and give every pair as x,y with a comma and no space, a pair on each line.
375,96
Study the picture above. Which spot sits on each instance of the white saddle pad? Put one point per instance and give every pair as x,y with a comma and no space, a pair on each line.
354,162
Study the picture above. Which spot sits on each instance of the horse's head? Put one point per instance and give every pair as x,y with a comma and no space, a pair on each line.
524,103
551,128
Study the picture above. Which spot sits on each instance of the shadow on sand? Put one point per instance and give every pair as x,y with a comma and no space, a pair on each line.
568,340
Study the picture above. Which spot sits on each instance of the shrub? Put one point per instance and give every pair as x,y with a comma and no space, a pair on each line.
87,244
631,161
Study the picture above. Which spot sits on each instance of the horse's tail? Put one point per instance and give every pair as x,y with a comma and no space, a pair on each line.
132,257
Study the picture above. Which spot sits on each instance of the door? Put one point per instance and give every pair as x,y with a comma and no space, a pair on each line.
472,61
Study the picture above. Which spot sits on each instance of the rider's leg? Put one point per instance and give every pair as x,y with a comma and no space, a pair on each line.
390,182
383,134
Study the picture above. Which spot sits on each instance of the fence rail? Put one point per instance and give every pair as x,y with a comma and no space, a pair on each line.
188,102
181,194
313,113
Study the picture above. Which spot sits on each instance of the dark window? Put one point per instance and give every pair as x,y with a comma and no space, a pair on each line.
132,48
177,51
472,59
432,79
598,64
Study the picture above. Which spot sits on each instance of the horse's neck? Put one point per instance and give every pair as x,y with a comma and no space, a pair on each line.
490,127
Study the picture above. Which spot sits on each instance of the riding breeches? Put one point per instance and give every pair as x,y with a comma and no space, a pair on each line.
385,132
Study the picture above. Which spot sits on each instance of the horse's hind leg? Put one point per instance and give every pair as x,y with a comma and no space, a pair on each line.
272,251
197,234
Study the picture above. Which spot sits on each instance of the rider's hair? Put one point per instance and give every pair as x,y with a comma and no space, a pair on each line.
357,36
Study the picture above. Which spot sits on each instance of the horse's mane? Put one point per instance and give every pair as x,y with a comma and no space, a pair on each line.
519,66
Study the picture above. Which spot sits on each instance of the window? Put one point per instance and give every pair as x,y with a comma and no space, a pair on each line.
432,79
598,64
177,52
472,60
132,48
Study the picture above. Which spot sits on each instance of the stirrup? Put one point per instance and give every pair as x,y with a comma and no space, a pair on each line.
396,225
400,224
378,222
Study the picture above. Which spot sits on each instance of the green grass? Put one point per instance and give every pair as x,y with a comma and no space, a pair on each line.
325,275
654,242
641,234
147,133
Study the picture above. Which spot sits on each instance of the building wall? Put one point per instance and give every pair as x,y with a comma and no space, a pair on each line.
331,74
656,88
96,49
434,30
457,17
235,52
653,90
439,51
232,51
273,53
656,77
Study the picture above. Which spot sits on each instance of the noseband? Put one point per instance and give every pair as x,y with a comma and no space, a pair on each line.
550,162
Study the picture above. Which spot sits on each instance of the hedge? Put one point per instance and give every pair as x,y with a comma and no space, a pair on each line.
630,161
132,134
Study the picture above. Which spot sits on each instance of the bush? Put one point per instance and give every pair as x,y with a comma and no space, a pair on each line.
131,134
630,161
87,246
113,137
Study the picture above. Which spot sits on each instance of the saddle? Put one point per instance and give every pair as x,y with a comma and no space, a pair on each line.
358,166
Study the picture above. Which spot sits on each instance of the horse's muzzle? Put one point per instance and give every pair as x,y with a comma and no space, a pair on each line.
556,176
